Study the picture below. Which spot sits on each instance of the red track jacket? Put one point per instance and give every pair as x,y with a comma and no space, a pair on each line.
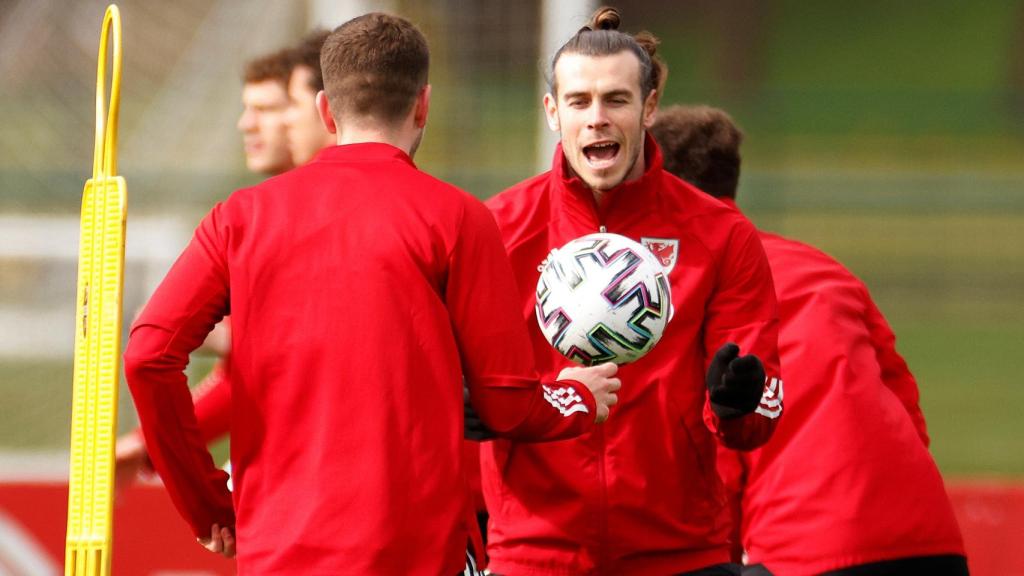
847,478
360,291
640,494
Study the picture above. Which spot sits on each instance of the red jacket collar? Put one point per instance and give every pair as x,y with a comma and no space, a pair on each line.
362,152
730,202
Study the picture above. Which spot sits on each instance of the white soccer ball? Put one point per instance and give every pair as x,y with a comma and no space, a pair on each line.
601,298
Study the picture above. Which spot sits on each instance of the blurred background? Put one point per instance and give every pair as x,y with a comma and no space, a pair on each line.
889,134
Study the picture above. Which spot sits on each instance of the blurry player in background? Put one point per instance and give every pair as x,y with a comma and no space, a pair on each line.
306,133
846,486
262,123
265,143
357,303
639,495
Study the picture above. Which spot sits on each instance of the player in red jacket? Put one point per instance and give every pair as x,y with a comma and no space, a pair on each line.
846,486
639,495
361,291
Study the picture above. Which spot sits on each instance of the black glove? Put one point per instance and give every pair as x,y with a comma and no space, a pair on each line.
475,428
735,383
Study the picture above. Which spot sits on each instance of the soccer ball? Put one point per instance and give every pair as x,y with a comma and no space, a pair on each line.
601,298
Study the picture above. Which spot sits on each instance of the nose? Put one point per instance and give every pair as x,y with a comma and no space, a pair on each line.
246,121
597,117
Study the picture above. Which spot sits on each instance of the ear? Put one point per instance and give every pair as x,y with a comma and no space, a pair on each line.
551,112
323,107
422,107
650,109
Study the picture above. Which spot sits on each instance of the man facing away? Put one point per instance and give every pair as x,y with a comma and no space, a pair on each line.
639,495
846,486
353,284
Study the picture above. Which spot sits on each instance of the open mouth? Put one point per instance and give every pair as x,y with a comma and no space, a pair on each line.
601,155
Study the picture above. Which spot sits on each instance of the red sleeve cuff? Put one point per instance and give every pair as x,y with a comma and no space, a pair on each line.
586,396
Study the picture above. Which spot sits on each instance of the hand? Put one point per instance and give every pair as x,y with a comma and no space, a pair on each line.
131,461
475,429
599,379
221,541
735,383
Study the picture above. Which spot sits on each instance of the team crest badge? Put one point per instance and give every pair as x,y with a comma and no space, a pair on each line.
664,249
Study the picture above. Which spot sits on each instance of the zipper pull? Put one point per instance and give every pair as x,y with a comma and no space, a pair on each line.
602,229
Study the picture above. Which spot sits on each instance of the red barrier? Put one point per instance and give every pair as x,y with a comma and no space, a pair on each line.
991,516
150,538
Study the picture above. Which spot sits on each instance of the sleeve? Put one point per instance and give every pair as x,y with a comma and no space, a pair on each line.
192,298
744,310
497,358
895,373
212,399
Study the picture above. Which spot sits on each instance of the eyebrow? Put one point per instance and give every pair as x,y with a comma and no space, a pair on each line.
611,94
617,93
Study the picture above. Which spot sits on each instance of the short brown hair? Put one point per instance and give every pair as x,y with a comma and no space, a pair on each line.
374,66
601,37
275,66
702,146
307,53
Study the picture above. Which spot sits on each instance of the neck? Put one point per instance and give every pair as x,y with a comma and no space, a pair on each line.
400,138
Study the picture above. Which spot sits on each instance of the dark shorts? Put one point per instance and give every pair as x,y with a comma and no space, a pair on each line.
947,565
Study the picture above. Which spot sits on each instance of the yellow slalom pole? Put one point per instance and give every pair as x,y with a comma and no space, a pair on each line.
98,332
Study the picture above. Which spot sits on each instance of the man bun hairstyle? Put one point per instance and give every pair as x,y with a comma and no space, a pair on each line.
374,66
601,37
659,69
702,146
605,18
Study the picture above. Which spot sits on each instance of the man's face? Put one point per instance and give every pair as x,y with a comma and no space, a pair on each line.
306,133
263,127
601,117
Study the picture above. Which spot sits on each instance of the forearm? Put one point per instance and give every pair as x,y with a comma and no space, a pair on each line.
212,402
536,413
156,377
